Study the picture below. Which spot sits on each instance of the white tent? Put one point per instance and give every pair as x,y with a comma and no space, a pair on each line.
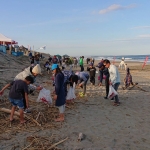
6,40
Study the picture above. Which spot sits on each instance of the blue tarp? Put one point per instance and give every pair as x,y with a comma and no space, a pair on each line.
17,53
3,49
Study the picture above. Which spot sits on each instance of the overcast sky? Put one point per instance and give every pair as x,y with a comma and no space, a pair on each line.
79,27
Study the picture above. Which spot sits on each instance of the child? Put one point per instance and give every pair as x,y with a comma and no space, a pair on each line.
16,97
59,91
47,66
92,72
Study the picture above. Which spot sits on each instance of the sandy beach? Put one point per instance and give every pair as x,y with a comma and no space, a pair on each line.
105,127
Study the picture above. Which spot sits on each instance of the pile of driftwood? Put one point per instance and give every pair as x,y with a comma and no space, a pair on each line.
42,143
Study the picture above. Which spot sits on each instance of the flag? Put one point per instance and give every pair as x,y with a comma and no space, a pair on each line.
43,47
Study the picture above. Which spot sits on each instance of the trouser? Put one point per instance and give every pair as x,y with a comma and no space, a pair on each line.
84,86
107,86
92,79
61,109
82,68
101,76
116,85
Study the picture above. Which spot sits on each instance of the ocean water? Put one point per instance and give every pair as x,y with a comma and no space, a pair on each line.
137,58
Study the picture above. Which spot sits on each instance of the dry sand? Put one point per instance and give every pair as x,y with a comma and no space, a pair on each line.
105,127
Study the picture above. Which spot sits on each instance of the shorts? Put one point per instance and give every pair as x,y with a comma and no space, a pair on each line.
17,102
61,109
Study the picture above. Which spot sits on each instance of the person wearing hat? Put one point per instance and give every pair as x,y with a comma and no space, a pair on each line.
92,73
30,71
59,96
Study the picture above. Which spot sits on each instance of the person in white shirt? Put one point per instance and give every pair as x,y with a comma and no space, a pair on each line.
114,78
122,65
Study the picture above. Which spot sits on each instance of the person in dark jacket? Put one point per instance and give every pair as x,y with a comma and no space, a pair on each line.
59,91
101,68
92,72
69,79
55,60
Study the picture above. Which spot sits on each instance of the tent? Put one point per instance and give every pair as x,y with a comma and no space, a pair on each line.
65,55
58,56
6,40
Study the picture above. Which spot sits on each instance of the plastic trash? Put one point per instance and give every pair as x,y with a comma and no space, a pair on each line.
112,92
44,96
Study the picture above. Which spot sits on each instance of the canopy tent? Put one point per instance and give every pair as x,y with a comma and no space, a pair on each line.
58,56
6,40
65,55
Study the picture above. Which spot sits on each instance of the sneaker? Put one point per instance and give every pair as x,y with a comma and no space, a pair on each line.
27,111
105,97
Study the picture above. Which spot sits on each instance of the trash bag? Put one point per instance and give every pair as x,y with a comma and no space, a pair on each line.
112,92
71,93
44,96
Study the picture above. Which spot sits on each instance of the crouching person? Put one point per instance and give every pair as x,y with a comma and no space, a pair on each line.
59,96
83,78
16,98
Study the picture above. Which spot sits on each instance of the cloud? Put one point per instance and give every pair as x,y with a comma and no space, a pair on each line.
144,36
141,27
116,7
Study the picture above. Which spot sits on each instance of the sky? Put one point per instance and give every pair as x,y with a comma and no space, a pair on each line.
78,27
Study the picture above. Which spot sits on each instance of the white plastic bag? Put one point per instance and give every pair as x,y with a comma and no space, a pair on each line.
71,93
44,96
112,92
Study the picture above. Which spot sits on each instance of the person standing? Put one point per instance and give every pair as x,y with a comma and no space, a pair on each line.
114,78
106,77
50,59
92,73
59,96
81,63
55,60
101,68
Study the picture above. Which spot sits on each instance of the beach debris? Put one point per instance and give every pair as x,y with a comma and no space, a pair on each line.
134,85
18,114
80,137
45,143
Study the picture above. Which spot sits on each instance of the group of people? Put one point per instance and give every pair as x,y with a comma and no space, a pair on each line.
35,59
22,84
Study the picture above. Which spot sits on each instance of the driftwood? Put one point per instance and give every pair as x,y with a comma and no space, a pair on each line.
54,145
18,114
129,88
134,85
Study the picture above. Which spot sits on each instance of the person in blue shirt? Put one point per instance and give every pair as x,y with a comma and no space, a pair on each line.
59,96
83,78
